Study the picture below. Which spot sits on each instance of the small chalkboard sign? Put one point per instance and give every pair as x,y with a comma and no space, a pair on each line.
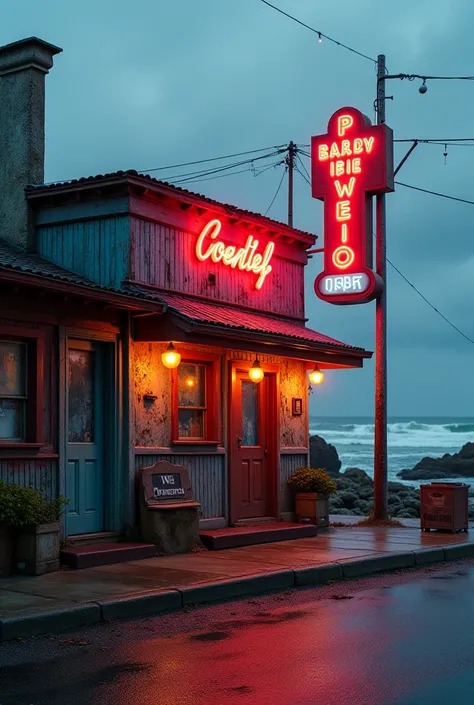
167,485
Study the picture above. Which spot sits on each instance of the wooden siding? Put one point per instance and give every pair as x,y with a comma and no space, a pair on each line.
288,465
207,478
42,474
165,257
97,249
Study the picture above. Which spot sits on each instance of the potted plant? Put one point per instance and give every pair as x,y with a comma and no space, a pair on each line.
31,529
313,486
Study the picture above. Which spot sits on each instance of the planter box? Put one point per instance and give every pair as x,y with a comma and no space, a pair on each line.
7,543
37,549
312,507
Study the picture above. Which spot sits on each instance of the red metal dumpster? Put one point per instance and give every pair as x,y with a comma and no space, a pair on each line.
444,505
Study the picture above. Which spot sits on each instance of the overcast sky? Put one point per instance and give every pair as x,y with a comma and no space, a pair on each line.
142,85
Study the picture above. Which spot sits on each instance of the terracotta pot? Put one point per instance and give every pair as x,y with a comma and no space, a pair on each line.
7,544
37,549
312,507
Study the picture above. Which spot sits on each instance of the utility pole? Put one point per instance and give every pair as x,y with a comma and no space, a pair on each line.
290,163
380,435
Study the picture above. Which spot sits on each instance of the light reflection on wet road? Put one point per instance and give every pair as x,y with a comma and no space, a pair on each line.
405,644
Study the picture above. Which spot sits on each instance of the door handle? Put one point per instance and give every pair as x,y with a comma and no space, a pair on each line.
265,452
239,441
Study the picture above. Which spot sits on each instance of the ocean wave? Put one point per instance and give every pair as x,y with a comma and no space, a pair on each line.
409,434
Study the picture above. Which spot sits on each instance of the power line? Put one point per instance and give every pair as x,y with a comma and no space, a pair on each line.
458,330
448,140
211,159
435,193
321,35
302,164
211,178
412,76
181,178
427,301
277,191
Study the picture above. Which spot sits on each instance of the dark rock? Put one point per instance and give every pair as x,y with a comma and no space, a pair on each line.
407,514
363,506
412,503
323,455
448,466
396,487
349,499
357,475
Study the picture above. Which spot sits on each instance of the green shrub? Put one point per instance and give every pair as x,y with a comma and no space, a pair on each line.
20,506
312,480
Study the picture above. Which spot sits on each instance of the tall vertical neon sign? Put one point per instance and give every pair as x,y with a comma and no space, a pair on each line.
351,163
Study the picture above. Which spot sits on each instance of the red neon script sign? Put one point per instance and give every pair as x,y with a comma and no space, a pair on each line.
350,164
246,258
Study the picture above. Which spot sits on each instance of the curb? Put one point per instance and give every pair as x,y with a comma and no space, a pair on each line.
50,622
173,600
378,564
141,605
227,589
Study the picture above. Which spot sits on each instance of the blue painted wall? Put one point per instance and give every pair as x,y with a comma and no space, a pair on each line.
89,239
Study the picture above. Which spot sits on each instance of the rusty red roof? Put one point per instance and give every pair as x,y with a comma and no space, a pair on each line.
219,314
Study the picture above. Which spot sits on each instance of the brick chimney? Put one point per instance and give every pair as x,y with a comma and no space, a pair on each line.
23,67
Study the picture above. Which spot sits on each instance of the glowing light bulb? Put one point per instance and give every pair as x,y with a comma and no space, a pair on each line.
316,376
190,382
256,373
320,39
171,357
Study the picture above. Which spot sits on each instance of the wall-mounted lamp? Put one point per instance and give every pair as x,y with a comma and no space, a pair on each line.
256,373
171,357
316,376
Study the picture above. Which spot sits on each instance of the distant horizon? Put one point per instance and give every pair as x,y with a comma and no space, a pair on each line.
390,416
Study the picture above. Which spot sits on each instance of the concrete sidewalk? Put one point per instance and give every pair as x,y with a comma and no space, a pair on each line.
69,599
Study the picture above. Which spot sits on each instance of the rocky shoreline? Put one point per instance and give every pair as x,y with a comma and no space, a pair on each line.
447,467
355,488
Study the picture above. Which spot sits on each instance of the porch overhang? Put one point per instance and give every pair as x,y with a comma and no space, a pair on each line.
220,325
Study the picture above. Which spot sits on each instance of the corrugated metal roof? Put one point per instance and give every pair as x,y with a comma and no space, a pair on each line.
239,319
232,210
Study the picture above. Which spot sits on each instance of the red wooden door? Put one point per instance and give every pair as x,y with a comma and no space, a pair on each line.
249,484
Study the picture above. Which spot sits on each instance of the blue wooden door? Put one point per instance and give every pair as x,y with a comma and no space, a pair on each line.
85,437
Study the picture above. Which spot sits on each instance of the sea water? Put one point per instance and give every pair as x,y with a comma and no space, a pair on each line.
409,440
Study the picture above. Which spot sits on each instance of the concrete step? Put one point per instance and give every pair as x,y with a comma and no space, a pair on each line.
236,536
95,554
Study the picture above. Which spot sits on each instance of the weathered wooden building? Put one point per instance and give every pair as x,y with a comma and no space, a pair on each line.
97,277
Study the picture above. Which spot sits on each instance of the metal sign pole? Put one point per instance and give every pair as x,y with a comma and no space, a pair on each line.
380,435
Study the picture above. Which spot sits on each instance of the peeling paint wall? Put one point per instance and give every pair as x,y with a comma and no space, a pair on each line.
152,419
293,383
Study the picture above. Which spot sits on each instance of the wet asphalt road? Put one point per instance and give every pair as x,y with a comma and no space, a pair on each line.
404,639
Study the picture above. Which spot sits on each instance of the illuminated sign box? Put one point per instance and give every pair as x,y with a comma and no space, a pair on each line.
351,163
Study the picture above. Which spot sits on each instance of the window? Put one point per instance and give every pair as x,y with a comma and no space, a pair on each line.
195,401
13,390
21,387
192,401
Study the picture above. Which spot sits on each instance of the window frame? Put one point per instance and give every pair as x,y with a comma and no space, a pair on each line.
212,397
34,341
